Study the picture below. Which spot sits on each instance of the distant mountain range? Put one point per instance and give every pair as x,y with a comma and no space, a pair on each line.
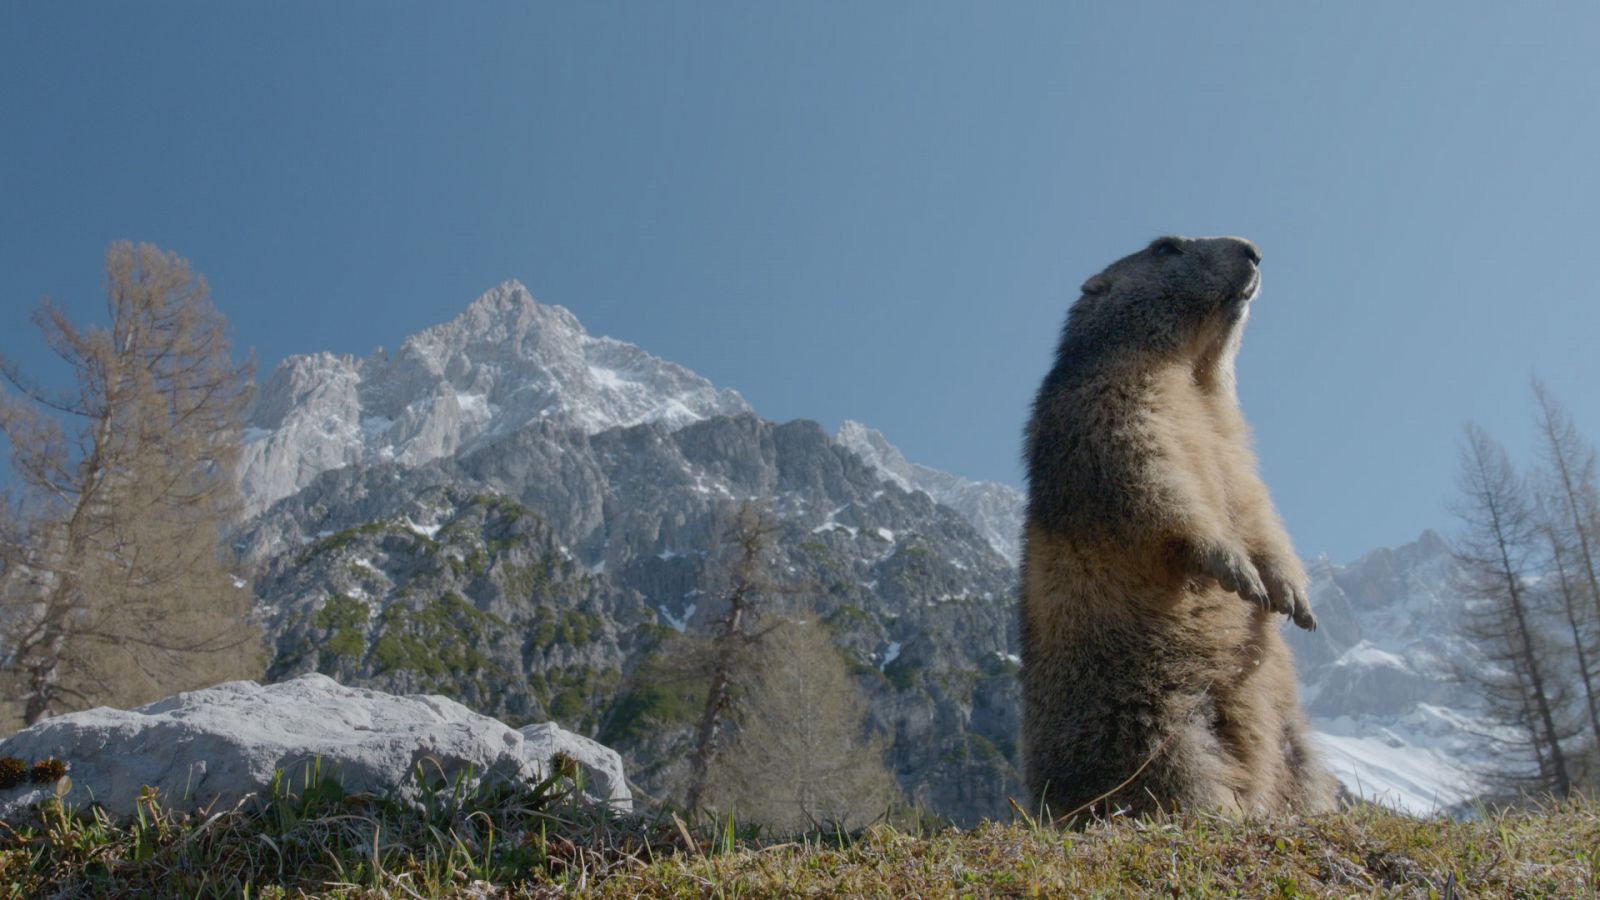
513,512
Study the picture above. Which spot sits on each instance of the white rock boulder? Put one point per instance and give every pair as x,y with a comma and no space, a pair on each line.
219,745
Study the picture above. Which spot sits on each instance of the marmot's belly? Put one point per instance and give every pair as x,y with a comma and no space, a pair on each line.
1102,682
1136,645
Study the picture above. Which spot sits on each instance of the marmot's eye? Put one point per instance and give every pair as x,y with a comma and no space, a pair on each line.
1166,247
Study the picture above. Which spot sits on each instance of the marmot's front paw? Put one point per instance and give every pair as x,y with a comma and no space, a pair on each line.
1288,593
1234,571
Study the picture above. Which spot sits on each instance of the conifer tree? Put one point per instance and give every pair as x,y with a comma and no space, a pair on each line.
1494,549
728,654
801,758
1569,522
115,581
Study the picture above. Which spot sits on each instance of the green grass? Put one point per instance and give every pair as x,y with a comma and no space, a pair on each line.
463,841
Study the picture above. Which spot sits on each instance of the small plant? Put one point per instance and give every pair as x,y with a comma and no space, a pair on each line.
48,771
12,772
564,766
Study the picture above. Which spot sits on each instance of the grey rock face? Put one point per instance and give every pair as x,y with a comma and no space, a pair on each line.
215,747
455,592
1389,633
505,362
996,510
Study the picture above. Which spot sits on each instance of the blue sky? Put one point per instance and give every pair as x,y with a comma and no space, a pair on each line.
869,211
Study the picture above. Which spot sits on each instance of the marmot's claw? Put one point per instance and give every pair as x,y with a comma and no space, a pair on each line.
1252,589
1258,593
1282,592
1288,597
1302,611
1236,574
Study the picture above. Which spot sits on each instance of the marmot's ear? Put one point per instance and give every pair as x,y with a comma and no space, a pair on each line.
1096,285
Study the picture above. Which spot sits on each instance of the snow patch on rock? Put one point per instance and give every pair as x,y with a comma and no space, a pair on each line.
995,509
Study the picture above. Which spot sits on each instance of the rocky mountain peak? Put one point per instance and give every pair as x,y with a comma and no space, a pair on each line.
875,450
506,361
995,509
504,318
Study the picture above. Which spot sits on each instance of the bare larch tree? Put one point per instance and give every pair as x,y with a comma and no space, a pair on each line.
1493,549
801,757
745,569
1569,521
114,564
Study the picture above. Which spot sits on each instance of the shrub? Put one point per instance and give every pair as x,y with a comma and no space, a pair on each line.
48,771
12,772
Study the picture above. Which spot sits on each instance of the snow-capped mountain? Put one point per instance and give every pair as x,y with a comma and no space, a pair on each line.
1377,678
504,362
993,508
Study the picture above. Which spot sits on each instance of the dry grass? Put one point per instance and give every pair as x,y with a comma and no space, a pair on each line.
470,842
1552,852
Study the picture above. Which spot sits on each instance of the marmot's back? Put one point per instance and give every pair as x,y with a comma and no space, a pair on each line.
1153,672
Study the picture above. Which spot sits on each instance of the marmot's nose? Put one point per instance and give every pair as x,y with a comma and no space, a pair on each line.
1251,251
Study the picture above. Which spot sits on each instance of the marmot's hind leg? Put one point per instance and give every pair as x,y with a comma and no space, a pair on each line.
1312,788
1185,767
1197,772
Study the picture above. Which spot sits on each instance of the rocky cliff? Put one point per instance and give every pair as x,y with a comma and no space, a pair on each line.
995,509
532,576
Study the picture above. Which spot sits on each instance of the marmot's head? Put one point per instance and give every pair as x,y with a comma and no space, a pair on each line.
1176,295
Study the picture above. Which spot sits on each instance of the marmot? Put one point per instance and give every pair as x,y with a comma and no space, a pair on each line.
1153,673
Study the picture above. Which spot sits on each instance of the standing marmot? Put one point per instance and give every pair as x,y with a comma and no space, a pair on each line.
1153,673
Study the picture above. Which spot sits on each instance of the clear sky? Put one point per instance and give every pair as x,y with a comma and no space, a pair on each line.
873,211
